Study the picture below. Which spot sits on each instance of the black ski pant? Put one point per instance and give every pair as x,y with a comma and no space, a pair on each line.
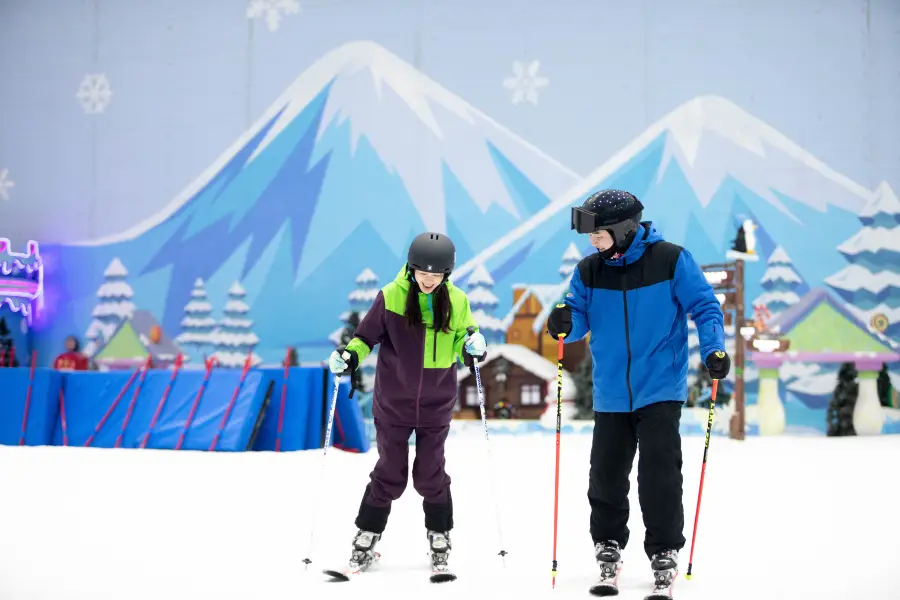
653,428
390,476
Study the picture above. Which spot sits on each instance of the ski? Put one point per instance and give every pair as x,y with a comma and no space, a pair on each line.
442,575
604,588
351,571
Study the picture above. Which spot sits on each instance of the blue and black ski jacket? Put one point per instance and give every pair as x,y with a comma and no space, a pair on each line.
635,309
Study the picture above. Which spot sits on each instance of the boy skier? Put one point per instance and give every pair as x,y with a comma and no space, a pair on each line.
633,296
420,319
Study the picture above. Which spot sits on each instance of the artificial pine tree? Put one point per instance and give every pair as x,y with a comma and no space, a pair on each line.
843,401
584,388
356,378
884,386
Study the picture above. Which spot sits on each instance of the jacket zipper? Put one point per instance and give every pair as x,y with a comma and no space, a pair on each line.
421,373
627,337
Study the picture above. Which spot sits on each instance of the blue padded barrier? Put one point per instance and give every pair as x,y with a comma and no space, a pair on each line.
252,424
88,396
43,410
309,393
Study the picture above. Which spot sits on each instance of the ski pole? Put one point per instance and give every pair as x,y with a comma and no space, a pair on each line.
502,554
284,388
712,408
28,397
559,384
312,531
162,401
134,397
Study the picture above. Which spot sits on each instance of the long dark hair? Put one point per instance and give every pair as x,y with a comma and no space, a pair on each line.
440,306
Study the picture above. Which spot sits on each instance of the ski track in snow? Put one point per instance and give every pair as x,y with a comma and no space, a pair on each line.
108,524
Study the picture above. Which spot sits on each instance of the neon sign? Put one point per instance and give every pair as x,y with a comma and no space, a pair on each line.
21,279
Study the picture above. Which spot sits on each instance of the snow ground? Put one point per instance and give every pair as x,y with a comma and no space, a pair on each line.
805,517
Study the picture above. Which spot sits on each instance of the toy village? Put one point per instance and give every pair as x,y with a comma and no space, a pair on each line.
806,360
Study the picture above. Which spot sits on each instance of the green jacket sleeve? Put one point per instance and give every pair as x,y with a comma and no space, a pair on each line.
370,330
466,320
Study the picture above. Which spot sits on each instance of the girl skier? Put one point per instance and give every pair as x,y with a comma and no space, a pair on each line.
421,320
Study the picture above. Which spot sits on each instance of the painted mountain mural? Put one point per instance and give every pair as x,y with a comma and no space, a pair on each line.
359,155
700,171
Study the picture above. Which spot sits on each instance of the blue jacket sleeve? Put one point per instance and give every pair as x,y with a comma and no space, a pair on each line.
697,298
577,299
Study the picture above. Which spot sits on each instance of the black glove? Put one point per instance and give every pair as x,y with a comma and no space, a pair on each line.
559,321
352,362
718,364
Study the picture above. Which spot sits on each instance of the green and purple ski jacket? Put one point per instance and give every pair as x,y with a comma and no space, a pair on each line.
415,376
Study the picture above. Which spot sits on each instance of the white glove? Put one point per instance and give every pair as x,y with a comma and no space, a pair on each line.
476,345
338,363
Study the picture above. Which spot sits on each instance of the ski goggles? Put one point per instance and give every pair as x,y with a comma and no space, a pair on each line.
586,222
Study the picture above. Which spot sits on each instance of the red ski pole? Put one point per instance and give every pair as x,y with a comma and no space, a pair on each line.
284,384
210,362
712,409
28,397
134,397
237,390
162,401
559,384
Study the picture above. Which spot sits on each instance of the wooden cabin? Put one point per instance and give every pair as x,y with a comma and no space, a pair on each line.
528,323
511,375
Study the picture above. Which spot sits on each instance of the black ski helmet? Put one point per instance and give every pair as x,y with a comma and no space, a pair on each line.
432,252
615,211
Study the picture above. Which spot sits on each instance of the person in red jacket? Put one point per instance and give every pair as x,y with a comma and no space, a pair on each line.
72,359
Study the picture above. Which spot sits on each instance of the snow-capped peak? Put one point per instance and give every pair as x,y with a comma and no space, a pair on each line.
416,126
115,269
711,139
885,202
480,278
237,290
572,254
779,257
367,276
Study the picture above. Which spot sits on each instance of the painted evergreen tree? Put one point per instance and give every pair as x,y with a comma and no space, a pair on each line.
781,284
360,300
357,379
870,284
843,401
483,302
584,388
114,305
198,324
234,338
570,259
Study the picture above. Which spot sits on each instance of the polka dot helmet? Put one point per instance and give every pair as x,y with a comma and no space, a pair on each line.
616,211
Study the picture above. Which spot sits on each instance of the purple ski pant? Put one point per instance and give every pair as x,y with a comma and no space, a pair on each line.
390,476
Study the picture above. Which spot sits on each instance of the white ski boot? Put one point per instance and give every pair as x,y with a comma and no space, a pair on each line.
665,571
609,559
440,547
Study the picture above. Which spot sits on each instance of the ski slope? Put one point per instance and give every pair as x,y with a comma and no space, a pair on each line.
782,518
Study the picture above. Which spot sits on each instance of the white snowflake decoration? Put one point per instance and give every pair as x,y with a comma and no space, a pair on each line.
94,93
271,11
525,82
6,184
